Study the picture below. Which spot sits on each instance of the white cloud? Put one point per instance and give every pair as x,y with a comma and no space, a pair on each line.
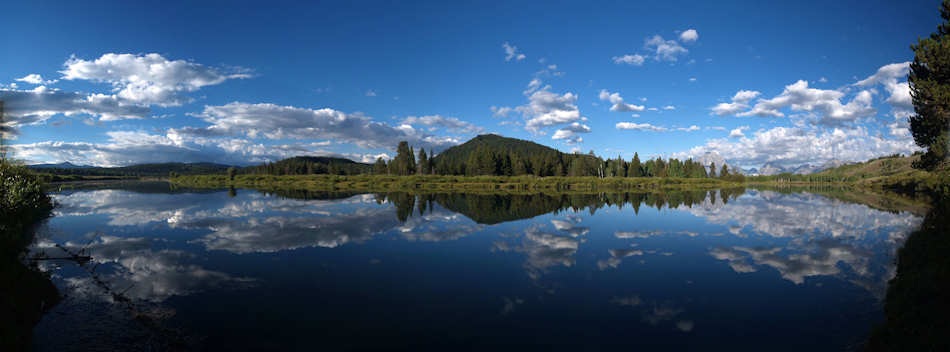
823,80
692,79
737,133
287,122
665,50
799,97
617,101
792,146
739,102
534,85
148,79
569,133
511,52
639,127
630,59
133,147
30,107
35,79
546,108
370,93
502,111
669,107
451,123
691,128
689,35
888,75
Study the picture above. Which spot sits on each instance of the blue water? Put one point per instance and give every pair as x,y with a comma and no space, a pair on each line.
246,270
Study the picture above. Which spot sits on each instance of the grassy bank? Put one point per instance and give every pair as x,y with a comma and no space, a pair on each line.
25,292
437,183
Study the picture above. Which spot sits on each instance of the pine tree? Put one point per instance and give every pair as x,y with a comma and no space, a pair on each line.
423,164
725,171
929,82
379,167
635,169
712,169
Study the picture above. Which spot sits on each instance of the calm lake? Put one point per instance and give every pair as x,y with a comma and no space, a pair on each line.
240,269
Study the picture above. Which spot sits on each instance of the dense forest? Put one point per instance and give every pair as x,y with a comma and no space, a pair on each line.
496,156
307,165
500,156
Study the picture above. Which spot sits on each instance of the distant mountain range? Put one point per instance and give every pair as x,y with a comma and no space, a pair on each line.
156,169
772,168
63,165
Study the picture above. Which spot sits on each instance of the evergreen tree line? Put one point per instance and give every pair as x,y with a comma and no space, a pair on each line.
483,160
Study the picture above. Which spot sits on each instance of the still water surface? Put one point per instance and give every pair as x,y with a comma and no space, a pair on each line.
246,270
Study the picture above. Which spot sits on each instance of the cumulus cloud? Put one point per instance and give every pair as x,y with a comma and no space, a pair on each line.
630,59
570,133
791,146
500,111
451,123
617,101
639,127
133,147
272,121
669,107
545,109
370,93
737,133
35,79
799,97
888,75
511,52
740,102
664,50
35,106
148,79
689,35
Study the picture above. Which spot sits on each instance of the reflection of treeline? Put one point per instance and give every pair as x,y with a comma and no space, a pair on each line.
918,297
25,292
494,208
306,194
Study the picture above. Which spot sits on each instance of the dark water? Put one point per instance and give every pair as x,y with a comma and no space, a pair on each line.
245,270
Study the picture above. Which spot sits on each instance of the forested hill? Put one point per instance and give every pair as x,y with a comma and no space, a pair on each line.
305,165
491,154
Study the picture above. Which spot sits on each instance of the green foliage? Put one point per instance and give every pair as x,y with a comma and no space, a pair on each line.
308,165
231,173
930,90
635,169
405,162
25,293
380,167
21,194
423,166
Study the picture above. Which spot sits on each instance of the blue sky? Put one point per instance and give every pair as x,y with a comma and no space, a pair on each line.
749,82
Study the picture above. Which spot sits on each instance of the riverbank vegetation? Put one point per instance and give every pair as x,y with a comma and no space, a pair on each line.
25,292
